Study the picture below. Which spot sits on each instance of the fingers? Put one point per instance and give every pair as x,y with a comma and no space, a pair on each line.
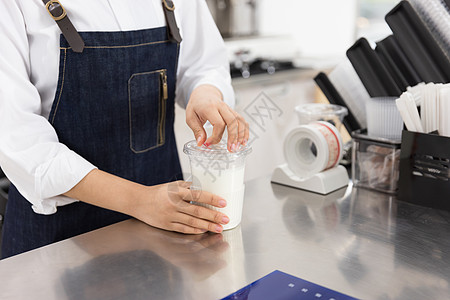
237,127
203,197
242,129
197,216
181,190
233,126
219,124
193,216
205,213
196,126
196,221
206,104
246,131
168,206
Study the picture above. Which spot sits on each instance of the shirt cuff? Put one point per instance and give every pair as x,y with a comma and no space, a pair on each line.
57,177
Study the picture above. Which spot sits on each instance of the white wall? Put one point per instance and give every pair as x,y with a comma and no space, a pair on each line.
321,28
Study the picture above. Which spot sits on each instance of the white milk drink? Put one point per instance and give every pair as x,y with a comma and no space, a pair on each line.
220,172
219,182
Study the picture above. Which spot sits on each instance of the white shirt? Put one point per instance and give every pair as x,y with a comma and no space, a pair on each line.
30,155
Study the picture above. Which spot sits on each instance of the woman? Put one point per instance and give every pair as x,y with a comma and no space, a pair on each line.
87,115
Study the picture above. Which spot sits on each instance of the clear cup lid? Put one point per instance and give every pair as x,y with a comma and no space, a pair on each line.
218,151
322,109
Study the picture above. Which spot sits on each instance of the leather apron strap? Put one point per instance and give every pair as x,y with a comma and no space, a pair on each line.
169,12
58,13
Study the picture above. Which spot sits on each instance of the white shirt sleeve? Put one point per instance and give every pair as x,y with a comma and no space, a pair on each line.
40,167
30,155
203,56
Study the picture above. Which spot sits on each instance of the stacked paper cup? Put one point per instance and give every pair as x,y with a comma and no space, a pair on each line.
383,118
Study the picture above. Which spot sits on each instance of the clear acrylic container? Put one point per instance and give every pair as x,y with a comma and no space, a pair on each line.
313,112
375,162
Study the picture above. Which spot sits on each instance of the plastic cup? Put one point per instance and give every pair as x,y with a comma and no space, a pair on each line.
313,112
383,118
220,172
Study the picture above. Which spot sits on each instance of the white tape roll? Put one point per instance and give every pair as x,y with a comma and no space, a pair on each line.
313,148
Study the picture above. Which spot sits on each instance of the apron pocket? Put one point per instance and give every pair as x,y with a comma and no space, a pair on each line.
147,96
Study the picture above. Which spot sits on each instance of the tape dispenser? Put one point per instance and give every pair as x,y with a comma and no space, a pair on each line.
312,154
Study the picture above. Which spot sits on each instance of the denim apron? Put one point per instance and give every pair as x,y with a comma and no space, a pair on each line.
114,105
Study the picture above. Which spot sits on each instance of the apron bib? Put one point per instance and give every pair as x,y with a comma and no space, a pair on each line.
114,105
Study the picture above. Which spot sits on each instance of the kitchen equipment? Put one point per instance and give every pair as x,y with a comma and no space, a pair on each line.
397,63
435,14
220,172
221,12
234,18
335,97
418,43
371,70
349,85
312,154
249,52
260,54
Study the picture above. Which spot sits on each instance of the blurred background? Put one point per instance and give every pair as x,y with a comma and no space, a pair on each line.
275,49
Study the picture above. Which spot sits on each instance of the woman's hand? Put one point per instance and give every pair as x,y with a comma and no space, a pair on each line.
168,206
206,104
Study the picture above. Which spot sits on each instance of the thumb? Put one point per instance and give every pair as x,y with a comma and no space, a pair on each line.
198,130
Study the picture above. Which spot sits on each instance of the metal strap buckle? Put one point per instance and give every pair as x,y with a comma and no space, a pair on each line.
171,8
54,6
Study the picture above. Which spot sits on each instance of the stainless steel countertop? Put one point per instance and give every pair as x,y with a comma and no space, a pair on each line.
355,241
